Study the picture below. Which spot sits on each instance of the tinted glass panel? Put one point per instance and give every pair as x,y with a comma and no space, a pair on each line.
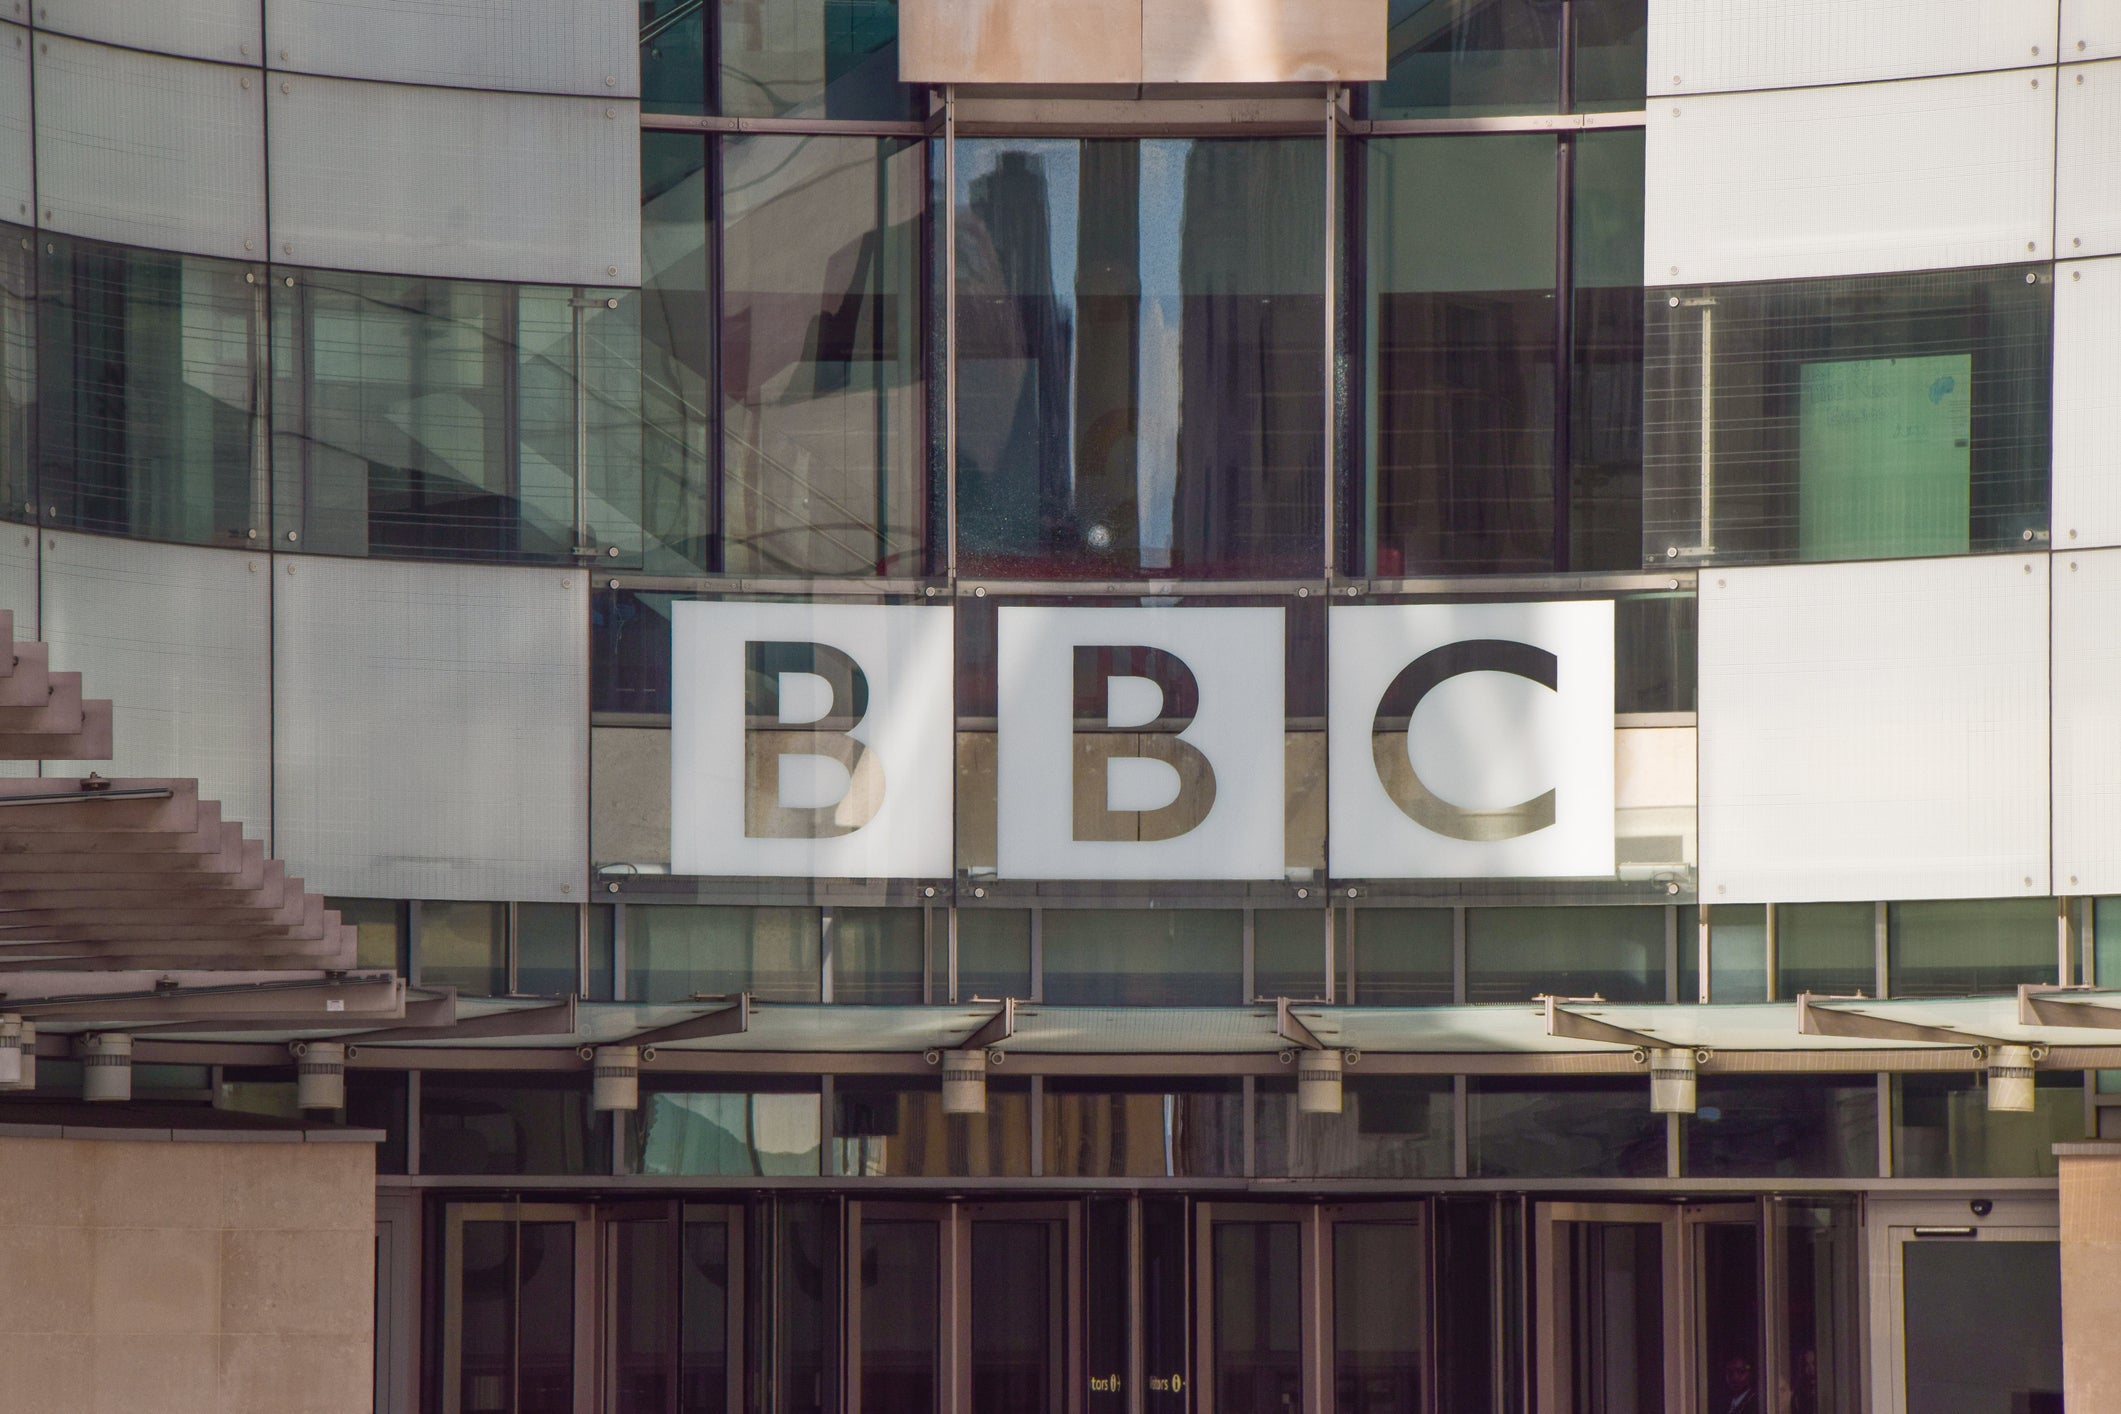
1390,1126
1861,417
1737,953
642,1281
465,946
1114,1129
1943,1127
1289,953
1465,57
1515,954
674,56
1460,306
486,1311
1963,946
1545,1129
901,1354
548,949
1605,349
1402,956
1829,948
376,1099
813,59
677,356
1984,1325
892,1128
492,1124
877,954
726,1132
672,953
1258,1328
379,925
993,953
1379,1272
148,394
1018,1355
1143,957
1758,1126
804,1278
704,1293
1606,69
1140,357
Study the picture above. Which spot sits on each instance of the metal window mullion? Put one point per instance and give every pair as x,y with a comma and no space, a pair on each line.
826,959
1038,1126
1771,952
1461,1126
1251,957
511,949
1881,951
415,963
1564,339
1038,954
618,952
828,1127
1331,970
1458,954
1886,1121
950,331
1247,1090
1331,350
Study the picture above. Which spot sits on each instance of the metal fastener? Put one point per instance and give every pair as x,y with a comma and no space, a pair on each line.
290,535
286,87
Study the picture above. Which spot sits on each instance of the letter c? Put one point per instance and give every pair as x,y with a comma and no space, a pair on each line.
1415,681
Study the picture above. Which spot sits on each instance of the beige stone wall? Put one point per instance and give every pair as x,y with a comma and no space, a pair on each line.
2091,1275
177,1276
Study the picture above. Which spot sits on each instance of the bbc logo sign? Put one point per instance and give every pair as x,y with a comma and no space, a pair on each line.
1463,741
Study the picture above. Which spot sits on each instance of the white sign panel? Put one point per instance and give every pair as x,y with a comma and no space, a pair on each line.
1140,743
811,740
1471,740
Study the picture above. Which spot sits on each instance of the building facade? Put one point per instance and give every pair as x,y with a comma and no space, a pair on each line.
1346,706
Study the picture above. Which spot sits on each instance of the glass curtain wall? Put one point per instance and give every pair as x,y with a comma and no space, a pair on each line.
1477,58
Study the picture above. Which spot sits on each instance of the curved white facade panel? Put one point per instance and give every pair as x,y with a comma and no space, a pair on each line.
2087,156
1875,731
465,185
2087,656
1716,46
431,729
18,180
2087,428
227,31
151,151
179,638
535,46
1927,174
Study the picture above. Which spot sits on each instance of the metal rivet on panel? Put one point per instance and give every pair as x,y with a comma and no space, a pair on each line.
251,534
283,55
290,535
979,591
243,48
2036,83
566,888
1671,552
1671,888
929,592
287,248
1719,888
569,584
1675,270
611,80
1675,112
2073,535
2075,242
2072,566
2036,51
290,570
2028,569
1303,893
1303,591
1671,584
286,87
2073,878
2080,46
249,277
2026,534
244,84
2028,881
2080,79
611,888
289,282
611,584
252,566
1351,893
979,893
611,112
611,270
1719,584
928,892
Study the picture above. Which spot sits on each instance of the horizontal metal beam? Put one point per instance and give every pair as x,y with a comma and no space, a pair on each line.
731,1020
1576,1026
1820,1016
2050,1005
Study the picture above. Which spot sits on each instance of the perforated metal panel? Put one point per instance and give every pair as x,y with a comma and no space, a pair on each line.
150,151
1716,46
470,185
17,146
1874,730
2087,727
1924,174
534,46
2087,427
179,638
2087,154
227,31
2091,29
431,729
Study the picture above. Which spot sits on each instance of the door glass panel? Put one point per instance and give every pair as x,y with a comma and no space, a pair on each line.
1163,1304
1984,1326
1377,1318
1727,1313
900,1323
1818,1305
1258,1317
640,1314
805,1283
1616,1313
1016,1346
545,1318
1108,1306
485,1311
703,1380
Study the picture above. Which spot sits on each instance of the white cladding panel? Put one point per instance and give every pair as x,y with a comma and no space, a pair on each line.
1715,46
223,30
2091,29
1874,730
2087,155
2087,427
179,638
17,145
2087,722
150,151
1924,174
431,729
455,183
536,46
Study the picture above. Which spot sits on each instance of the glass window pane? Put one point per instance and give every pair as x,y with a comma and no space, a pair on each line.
1943,1127
878,955
674,56
677,357
1515,954
18,372
993,953
1654,642
1143,957
706,1286
901,1326
1605,355
893,1128
510,1124
1141,357
1458,58
548,949
1289,953
823,453
1144,1129
1607,67
1860,417
1829,948
2106,942
805,1282
485,1308
725,1132
1737,952
545,1324
1390,1126
639,1353
379,927
1959,947
1258,1325
1461,327
1765,1126
1563,1129
148,394
1379,1315
465,946
1402,956
814,59
377,1099
603,967
677,952
1984,1325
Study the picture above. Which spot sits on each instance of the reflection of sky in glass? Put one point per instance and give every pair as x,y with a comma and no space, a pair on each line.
730,1134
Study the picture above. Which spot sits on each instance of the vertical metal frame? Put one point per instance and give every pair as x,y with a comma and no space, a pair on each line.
1331,347
586,1267
1314,1379
1064,1252
1319,1333
1771,953
950,332
826,960
950,1318
1881,924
